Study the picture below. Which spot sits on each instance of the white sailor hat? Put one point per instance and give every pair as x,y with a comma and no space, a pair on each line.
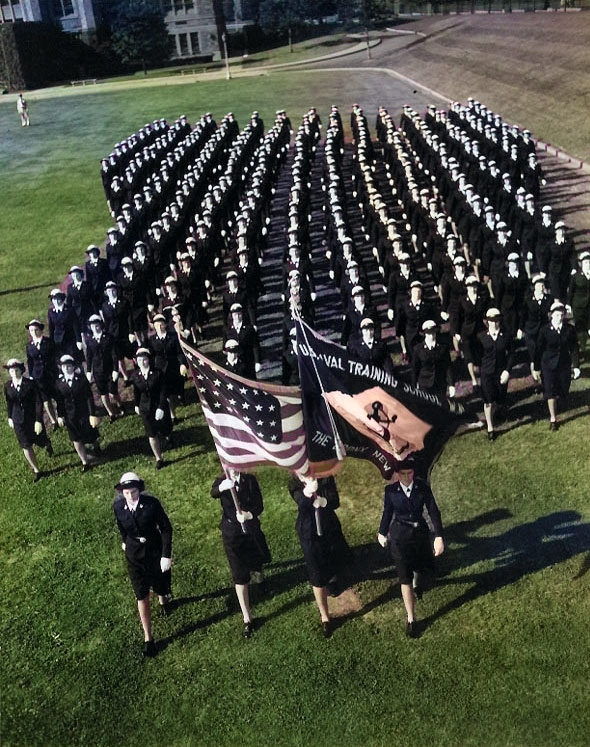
14,363
513,257
367,322
357,290
429,324
95,319
493,313
557,306
231,344
66,359
235,307
471,280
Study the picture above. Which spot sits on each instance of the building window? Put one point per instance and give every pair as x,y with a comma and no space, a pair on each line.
63,8
195,43
180,6
182,45
10,10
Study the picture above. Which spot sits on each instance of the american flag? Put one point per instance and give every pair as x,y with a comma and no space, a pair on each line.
251,423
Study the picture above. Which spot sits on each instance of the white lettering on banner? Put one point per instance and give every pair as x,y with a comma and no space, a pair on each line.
321,438
372,372
332,361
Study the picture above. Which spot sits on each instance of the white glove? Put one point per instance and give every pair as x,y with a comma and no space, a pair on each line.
61,422
131,338
159,414
216,262
226,484
79,346
257,367
328,254
320,502
93,421
382,540
150,308
504,376
123,546
452,391
519,334
313,296
89,376
165,564
429,266
390,314
529,256
207,283
444,316
536,375
39,427
310,487
577,373
375,252
136,408
10,423
115,376
243,516
183,371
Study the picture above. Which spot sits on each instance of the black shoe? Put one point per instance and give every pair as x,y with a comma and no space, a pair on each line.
160,463
412,629
166,609
38,476
97,450
149,649
491,435
86,467
49,449
327,629
418,592
248,629
553,425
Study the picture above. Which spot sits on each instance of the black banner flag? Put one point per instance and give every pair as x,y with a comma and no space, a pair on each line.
352,408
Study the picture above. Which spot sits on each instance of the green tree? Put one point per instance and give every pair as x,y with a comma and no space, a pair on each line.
140,33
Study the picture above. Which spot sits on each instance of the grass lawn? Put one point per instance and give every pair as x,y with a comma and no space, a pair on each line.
504,660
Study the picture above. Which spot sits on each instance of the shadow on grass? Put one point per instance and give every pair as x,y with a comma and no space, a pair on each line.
9,291
520,551
273,585
195,435
516,553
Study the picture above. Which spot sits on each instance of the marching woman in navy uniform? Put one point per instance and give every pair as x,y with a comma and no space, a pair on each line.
496,362
170,359
557,353
42,366
150,397
404,528
76,409
102,366
325,549
25,413
146,537
243,540
579,300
